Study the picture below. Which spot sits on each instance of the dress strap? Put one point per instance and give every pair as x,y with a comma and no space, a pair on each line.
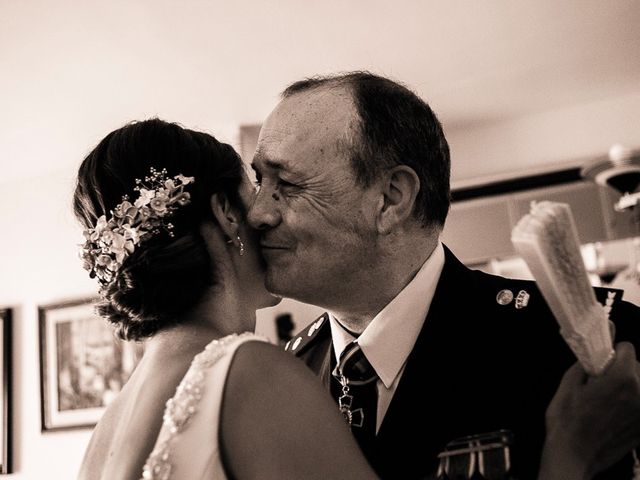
184,404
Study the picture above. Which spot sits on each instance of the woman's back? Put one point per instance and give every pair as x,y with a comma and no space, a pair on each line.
261,408
127,432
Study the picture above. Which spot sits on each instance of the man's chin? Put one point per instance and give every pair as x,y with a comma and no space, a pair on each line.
276,283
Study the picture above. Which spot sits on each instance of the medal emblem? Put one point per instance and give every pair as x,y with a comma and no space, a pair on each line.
504,297
354,418
522,300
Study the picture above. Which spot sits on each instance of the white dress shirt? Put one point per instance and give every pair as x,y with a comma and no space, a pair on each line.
389,338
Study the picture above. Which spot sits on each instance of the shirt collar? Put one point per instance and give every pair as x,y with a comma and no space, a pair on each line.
389,338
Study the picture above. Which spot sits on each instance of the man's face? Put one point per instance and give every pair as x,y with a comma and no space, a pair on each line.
318,225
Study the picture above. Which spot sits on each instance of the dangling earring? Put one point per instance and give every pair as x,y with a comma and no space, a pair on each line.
241,246
229,242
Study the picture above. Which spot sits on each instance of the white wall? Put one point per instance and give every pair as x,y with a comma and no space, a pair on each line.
39,266
568,135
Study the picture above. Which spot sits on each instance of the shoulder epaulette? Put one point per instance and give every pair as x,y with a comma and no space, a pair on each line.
305,337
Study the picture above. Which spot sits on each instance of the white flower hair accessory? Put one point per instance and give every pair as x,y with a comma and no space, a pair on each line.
111,241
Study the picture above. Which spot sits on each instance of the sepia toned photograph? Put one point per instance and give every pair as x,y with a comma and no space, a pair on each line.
333,240
83,365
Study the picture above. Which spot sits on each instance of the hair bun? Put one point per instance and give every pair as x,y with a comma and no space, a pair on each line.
122,304
155,285
166,275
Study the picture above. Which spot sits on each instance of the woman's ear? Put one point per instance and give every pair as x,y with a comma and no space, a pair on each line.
227,217
400,189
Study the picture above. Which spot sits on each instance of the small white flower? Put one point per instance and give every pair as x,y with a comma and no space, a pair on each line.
184,180
110,242
145,197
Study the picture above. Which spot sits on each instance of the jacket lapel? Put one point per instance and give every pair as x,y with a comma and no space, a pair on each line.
427,389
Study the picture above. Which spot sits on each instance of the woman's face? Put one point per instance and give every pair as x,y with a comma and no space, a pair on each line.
253,265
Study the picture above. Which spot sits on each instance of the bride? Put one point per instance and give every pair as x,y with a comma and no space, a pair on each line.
178,267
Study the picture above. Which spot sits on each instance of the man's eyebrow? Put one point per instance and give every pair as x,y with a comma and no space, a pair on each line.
269,163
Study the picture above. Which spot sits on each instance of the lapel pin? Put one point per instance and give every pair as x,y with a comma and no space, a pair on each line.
504,297
522,300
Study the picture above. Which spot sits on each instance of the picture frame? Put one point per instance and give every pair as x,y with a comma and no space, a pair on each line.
83,365
6,346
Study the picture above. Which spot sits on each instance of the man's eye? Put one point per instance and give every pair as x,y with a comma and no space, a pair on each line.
284,184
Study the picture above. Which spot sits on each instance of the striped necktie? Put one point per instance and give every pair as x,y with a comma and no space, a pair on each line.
357,393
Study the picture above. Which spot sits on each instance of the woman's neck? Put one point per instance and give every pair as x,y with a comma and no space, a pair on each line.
222,311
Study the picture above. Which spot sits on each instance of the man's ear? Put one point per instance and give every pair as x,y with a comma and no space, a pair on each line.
227,217
400,189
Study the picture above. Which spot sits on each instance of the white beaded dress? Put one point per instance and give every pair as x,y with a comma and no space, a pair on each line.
187,445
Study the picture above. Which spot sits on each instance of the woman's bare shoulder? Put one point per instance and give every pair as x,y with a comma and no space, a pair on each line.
278,421
254,359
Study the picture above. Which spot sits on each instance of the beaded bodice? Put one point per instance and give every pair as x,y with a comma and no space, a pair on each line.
184,404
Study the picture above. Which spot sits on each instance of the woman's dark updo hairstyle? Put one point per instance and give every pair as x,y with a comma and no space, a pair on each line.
164,276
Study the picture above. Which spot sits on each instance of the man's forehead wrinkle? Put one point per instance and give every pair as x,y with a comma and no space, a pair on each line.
324,126
306,131
267,143
269,135
262,161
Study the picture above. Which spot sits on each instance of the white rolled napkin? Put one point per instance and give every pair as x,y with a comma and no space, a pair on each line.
547,239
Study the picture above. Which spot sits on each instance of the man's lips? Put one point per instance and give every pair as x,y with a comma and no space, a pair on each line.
271,251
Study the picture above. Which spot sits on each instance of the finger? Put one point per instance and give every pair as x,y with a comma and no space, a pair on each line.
625,353
575,375
626,358
623,365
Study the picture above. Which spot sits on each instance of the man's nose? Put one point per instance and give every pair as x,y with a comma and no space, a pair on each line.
263,213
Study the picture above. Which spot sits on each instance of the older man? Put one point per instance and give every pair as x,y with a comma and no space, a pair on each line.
417,349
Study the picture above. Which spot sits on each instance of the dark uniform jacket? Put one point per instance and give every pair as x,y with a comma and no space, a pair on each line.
478,365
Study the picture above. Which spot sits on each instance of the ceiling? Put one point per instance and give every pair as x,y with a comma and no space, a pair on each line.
69,72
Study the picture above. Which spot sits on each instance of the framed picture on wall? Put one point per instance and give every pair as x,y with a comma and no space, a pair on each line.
5,396
83,365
